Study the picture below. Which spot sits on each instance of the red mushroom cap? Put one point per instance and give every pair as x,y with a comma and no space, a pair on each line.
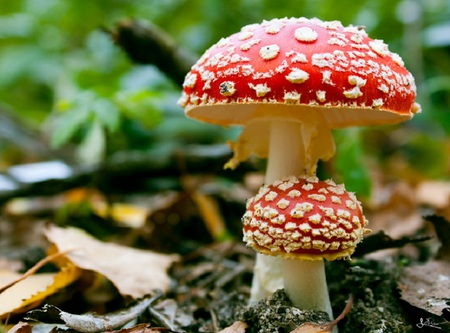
300,61
304,218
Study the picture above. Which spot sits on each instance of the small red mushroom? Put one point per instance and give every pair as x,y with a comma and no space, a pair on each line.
304,220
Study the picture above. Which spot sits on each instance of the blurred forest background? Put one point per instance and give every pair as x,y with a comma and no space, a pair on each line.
68,92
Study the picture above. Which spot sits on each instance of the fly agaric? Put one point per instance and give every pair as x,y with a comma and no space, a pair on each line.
304,221
289,82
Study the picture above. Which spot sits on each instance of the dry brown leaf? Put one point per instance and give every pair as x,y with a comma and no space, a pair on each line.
134,272
210,213
237,327
140,328
33,290
21,327
312,328
427,286
433,193
129,215
89,322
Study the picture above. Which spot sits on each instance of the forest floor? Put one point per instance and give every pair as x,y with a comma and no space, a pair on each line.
398,283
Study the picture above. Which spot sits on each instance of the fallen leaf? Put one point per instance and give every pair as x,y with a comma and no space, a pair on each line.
90,323
21,327
237,327
433,193
31,291
427,286
312,328
134,272
140,328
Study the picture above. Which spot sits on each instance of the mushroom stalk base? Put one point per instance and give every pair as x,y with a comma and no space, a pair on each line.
305,284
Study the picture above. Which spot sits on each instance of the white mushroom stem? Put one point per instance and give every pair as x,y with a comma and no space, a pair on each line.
294,149
286,151
306,285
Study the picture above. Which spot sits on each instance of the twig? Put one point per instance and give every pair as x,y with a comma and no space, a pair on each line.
146,43
382,241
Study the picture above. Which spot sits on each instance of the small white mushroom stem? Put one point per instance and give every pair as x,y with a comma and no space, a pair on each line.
306,285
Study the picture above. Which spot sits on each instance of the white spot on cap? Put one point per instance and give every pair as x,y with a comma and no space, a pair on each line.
357,38
190,80
273,29
323,60
398,60
271,196
318,244
284,65
249,44
297,76
297,57
307,186
321,95
227,88
305,34
260,89
245,35
283,203
317,197
353,93
379,47
316,218
305,227
377,103
291,97
294,193
326,78
269,52
285,185
290,226
356,80
280,219
336,41
350,204
383,88
356,91
335,199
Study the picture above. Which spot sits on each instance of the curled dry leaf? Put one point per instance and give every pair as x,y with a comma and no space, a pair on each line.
237,327
21,327
134,272
30,292
427,286
312,328
90,323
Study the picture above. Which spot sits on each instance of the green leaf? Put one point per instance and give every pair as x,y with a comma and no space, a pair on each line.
141,105
107,113
67,124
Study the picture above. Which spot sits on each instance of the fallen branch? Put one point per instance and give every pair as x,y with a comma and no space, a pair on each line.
145,43
382,241
126,172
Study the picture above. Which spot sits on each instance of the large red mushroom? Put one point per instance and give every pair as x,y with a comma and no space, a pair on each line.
289,82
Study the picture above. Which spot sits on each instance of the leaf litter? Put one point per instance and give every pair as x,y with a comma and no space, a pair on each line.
206,290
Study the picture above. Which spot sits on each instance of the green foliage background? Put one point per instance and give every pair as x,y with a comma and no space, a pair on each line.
62,75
